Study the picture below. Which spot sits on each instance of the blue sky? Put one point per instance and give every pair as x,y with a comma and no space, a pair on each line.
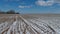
31,6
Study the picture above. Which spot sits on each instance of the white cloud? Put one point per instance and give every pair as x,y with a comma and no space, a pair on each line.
57,1
45,3
24,6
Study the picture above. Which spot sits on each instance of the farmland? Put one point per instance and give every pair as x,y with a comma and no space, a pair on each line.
29,24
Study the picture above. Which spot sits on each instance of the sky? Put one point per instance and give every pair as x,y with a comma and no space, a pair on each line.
31,6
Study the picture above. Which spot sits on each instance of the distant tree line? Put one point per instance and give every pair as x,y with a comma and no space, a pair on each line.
9,12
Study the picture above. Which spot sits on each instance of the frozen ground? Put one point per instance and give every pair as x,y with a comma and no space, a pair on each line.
31,24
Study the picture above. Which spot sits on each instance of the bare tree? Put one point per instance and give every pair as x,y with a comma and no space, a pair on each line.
9,12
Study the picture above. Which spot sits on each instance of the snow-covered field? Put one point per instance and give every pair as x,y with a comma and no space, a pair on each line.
31,24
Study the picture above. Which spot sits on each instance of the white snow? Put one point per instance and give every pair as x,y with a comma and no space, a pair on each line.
32,26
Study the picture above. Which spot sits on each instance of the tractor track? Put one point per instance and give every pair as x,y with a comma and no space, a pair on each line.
23,26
